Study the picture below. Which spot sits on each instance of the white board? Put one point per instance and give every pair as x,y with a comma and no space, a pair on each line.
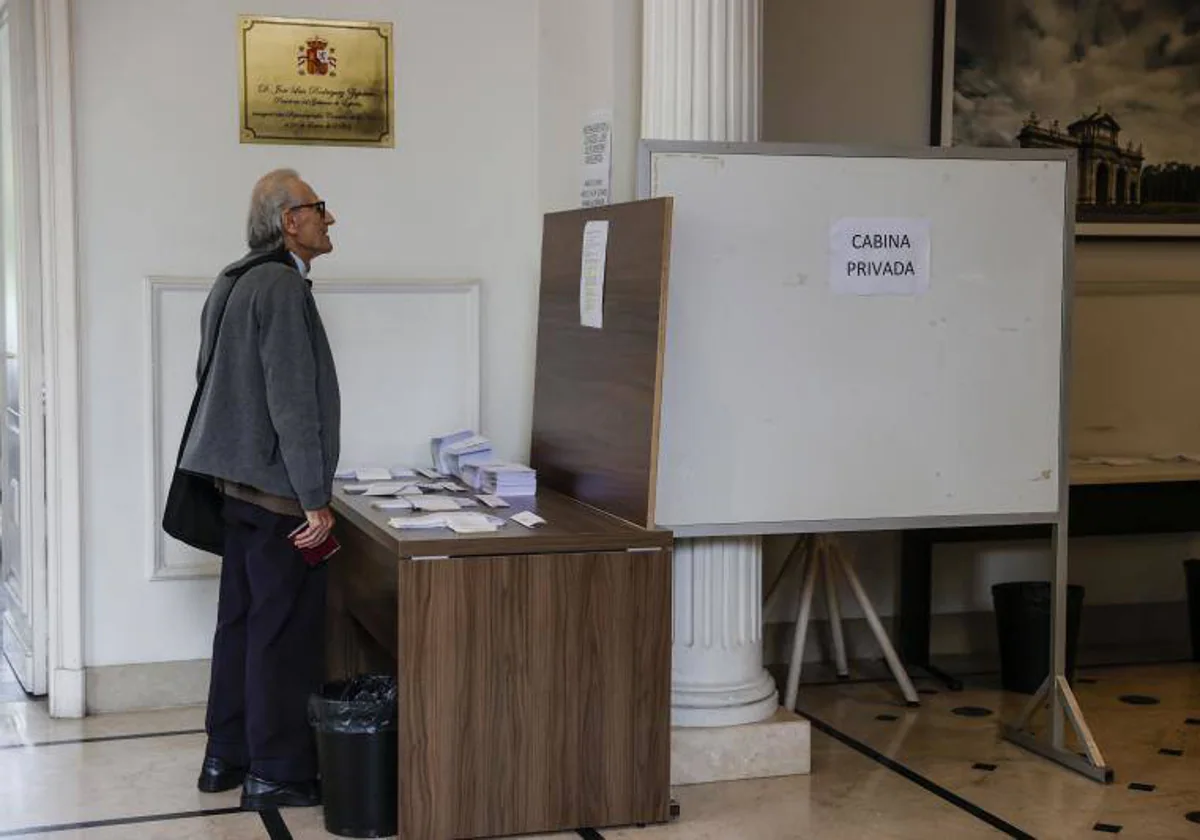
786,403
407,355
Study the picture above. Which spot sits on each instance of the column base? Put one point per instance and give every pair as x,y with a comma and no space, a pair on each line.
781,746
695,706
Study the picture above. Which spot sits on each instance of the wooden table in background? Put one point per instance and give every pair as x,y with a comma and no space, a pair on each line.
534,665
1105,501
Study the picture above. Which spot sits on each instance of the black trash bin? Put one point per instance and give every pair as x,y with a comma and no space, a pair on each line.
355,724
1023,627
1192,569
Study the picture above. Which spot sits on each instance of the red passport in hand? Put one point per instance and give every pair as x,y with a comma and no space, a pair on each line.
318,554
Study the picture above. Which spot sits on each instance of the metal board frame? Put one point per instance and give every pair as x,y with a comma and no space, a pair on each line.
1055,692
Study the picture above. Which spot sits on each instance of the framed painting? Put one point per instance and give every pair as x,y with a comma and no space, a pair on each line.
1117,81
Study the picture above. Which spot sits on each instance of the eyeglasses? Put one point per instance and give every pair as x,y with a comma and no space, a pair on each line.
319,206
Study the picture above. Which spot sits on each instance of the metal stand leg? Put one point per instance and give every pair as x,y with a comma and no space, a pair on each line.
914,618
1057,694
1092,765
885,644
951,683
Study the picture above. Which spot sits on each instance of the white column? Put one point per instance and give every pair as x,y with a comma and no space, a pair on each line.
701,81
701,69
717,675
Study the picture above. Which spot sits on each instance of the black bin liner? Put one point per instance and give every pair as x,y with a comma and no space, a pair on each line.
1023,627
355,725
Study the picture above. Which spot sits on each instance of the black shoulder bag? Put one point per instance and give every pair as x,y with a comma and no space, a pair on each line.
193,512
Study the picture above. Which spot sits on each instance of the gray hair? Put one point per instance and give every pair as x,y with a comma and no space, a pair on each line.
272,195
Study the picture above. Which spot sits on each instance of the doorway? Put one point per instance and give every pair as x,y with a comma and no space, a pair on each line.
24,616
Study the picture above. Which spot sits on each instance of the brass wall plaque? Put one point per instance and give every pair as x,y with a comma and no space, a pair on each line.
322,82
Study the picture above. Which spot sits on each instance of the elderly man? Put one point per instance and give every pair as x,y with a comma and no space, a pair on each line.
267,430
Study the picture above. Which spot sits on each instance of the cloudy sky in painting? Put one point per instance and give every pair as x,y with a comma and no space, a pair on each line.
1137,59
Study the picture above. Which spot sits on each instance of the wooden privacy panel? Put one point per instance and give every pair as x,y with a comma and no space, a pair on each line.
597,391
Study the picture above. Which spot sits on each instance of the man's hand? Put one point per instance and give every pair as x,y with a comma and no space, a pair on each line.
320,523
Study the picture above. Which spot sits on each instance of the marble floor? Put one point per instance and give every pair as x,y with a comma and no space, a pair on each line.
879,771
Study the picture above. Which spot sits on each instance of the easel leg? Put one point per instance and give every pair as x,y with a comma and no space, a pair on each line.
801,634
835,621
885,644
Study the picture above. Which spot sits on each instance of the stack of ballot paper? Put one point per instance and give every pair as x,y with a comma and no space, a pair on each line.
461,522
384,488
437,447
472,476
508,480
473,450
434,503
393,504
453,452
373,473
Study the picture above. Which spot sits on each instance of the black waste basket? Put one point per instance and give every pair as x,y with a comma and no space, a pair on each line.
1192,569
355,723
1023,626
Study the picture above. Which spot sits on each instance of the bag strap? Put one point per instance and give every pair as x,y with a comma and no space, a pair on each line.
278,255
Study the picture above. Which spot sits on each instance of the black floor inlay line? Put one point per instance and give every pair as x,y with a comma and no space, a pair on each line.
1140,786
103,738
983,765
276,828
927,691
590,834
917,779
149,818
1169,751
1107,828
972,711
1138,699
1192,816
1192,721
886,717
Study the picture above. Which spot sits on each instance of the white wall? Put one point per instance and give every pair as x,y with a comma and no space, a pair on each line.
589,60
490,98
163,187
847,71
859,71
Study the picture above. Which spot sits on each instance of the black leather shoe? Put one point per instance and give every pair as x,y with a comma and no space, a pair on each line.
259,794
218,775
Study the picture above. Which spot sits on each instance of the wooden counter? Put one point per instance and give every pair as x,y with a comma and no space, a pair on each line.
1145,472
534,665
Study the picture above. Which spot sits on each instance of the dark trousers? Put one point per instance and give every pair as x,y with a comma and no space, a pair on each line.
268,651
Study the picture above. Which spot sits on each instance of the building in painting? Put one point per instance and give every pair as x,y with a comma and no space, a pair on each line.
1108,173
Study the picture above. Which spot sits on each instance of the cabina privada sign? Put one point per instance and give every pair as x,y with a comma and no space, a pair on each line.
879,256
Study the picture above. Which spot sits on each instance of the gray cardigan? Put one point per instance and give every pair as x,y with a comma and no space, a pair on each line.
270,414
